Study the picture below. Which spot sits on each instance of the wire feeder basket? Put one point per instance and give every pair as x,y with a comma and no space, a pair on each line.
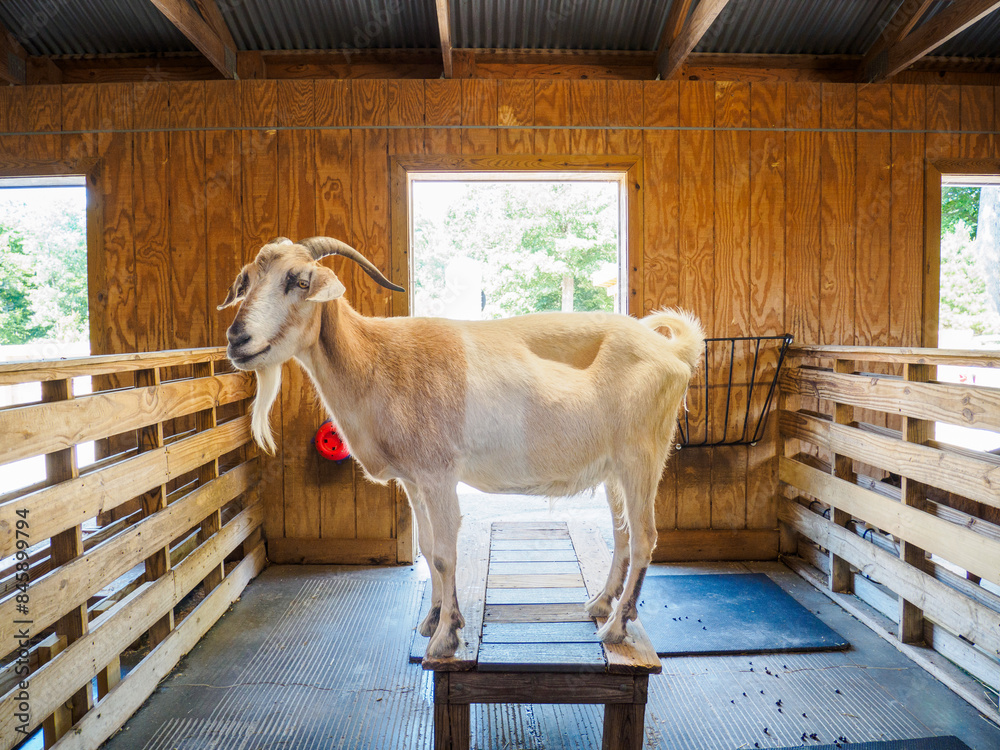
734,370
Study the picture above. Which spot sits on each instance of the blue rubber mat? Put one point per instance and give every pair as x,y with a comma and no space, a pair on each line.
924,743
733,613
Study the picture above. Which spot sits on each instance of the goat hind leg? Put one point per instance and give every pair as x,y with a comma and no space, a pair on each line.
639,509
600,605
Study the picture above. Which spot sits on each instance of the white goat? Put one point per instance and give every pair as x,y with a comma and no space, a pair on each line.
548,404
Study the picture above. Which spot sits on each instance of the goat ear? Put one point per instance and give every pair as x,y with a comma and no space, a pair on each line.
236,292
325,286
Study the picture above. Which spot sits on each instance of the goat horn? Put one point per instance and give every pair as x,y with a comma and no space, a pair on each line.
320,247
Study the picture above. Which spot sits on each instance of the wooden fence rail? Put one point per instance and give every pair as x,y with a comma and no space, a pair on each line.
138,553
879,507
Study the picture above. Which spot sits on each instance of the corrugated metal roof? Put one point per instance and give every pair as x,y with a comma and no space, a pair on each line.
846,27
92,28
980,40
321,24
793,27
558,24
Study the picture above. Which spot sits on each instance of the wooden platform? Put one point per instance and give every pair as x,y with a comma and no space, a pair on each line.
528,638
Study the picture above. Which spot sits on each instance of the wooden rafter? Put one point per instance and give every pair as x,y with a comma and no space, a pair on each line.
209,10
201,33
444,31
671,57
902,23
249,63
928,36
13,58
678,14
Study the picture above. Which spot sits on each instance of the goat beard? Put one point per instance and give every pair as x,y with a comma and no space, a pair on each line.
268,387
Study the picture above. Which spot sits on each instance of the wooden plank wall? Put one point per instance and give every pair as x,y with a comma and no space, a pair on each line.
768,207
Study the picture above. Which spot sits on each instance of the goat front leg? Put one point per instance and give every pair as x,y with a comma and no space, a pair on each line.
425,539
600,605
441,504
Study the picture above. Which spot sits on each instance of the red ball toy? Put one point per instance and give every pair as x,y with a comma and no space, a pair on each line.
329,443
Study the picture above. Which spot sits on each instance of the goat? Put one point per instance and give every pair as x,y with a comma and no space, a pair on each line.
547,404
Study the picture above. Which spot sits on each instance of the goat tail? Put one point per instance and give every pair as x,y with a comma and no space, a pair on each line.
684,329
268,387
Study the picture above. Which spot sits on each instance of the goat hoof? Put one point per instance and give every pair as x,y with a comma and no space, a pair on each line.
612,632
599,606
443,645
430,622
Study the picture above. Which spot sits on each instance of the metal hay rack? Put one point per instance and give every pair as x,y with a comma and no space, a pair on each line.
729,404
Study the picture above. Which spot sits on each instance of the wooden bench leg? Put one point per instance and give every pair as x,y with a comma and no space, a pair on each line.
452,730
624,723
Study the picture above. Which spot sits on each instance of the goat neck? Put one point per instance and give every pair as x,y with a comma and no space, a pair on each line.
342,361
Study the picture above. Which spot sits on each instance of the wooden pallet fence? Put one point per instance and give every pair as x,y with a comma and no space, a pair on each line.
76,590
911,520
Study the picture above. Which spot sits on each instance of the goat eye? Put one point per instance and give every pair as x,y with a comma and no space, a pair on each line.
303,284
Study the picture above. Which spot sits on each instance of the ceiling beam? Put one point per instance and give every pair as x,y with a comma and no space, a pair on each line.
931,34
201,34
444,31
503,64
694,28
13,58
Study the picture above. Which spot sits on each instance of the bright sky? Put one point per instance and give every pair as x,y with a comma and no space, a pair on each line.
432,199
39,197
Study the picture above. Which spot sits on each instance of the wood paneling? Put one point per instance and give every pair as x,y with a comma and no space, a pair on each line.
766,207
301,412
552,109
443,100
375,516
479,108
768,169
731,298
188,226
112,274
515,107
406,107
696,109
906,216
151,202
655,104
333,219
838,210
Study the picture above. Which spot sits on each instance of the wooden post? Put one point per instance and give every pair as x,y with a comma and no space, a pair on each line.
157,564
840,569
111,674
61,466
911,618
56,725
206,420
452,721
788,539
624,722
108,677
246,453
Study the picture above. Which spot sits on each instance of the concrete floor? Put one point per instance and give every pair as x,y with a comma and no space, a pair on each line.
316,657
